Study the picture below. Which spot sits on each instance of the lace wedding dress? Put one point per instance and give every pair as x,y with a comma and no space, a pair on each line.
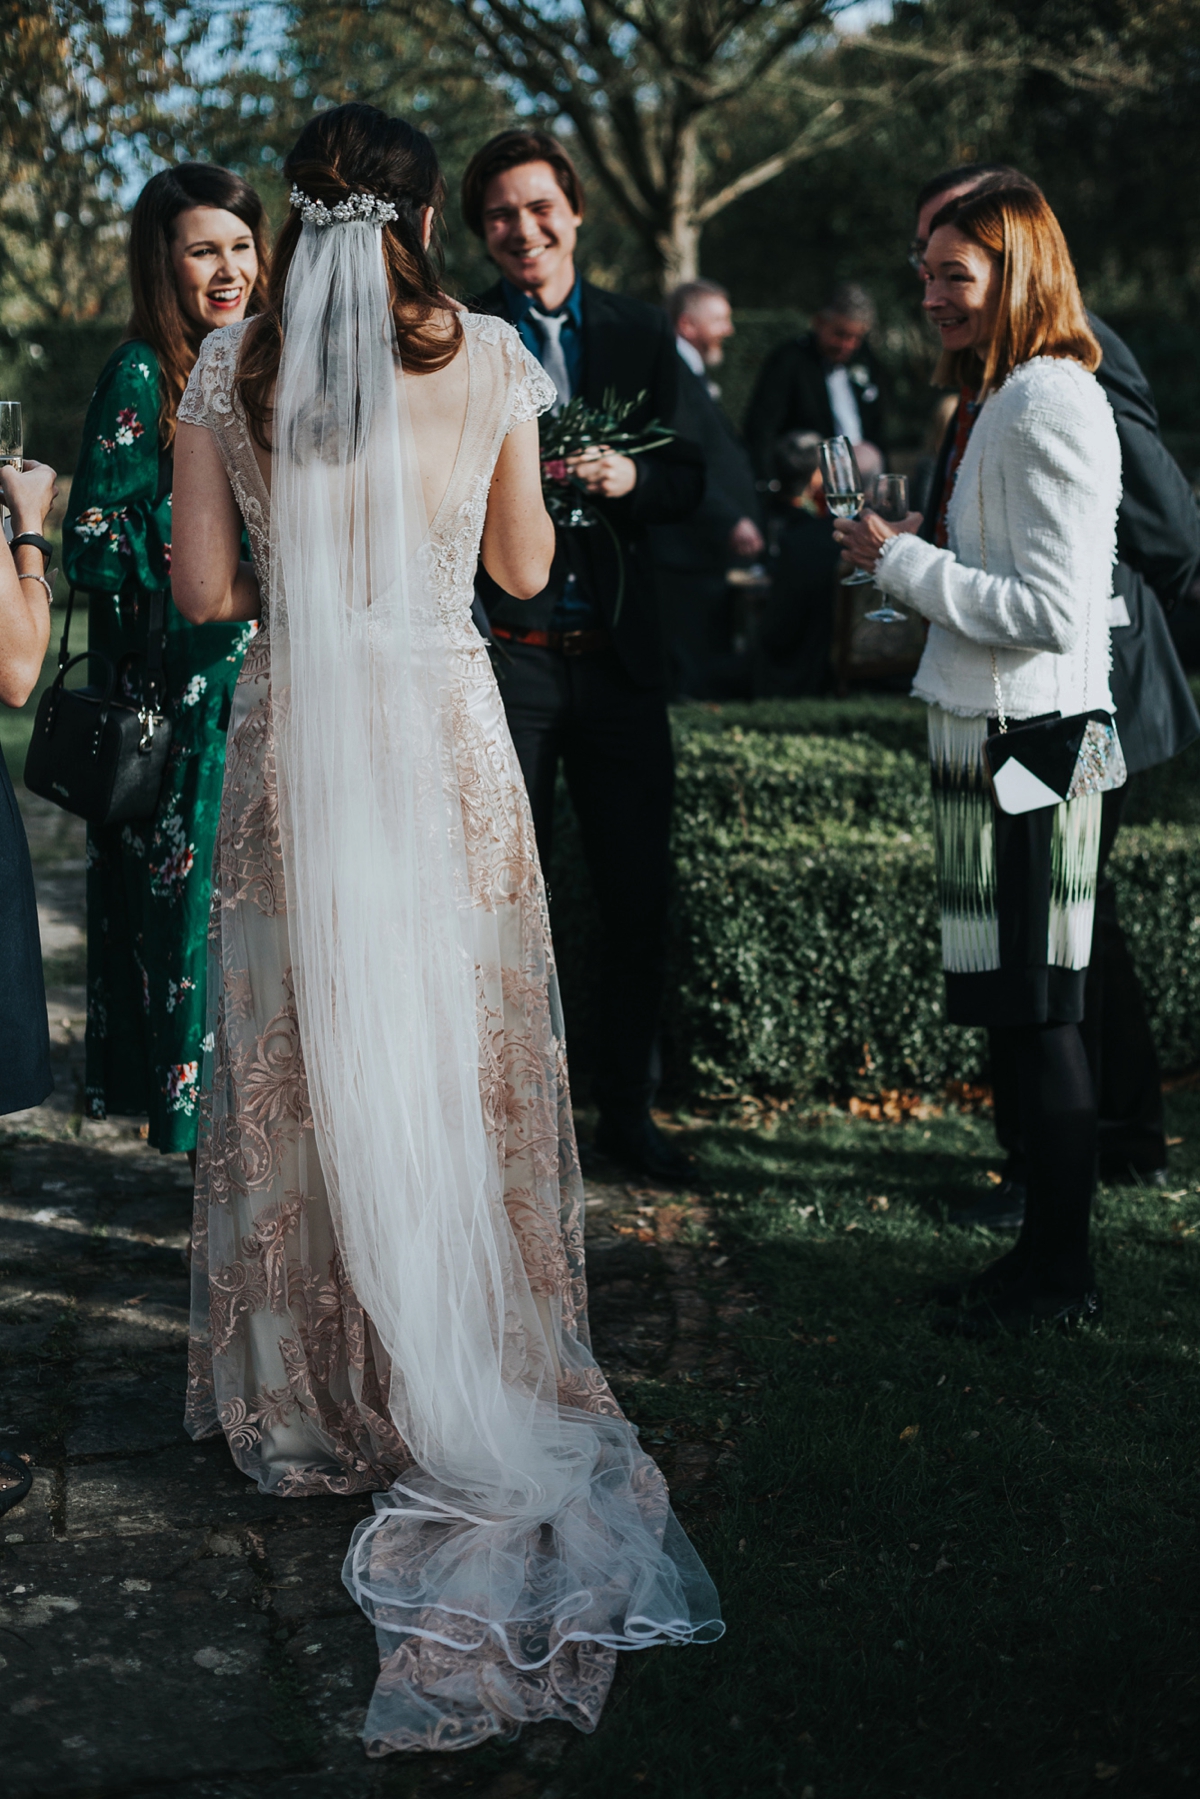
388,1274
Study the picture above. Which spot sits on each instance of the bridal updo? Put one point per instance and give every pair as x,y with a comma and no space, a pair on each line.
351,150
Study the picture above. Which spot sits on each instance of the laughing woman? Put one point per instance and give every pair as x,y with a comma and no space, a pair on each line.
196,263
1018,605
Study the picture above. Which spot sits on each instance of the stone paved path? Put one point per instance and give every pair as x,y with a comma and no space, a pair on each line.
164,1628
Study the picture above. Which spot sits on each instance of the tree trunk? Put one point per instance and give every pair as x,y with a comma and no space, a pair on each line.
678,242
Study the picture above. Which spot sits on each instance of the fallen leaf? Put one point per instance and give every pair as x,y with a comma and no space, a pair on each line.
878,1202
994,1177
941,1565
909,1432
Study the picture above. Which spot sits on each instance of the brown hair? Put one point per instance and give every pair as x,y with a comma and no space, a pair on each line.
1039,311
157,317
508,150
348,150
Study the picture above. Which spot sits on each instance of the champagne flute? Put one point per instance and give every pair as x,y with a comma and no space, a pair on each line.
890,501
843,490
11,441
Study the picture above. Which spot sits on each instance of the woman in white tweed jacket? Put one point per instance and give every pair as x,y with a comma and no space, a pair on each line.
1017,590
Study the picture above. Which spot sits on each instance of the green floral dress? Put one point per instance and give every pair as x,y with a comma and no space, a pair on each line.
148,882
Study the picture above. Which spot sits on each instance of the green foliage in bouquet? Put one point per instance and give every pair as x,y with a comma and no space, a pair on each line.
575,429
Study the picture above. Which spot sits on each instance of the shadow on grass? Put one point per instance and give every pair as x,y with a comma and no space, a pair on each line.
948,1569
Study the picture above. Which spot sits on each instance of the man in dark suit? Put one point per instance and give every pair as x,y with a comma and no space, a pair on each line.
1158,547
827,381
693,556
582,685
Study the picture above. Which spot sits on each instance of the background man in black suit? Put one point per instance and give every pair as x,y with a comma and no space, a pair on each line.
692,557
580,684
827,381
1158,545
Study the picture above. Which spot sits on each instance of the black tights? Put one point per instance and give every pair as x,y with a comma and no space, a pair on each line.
1058,1128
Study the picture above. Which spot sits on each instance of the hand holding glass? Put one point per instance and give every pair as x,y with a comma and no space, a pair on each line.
843,490
890,501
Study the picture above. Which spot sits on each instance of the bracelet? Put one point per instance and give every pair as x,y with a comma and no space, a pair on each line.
44,582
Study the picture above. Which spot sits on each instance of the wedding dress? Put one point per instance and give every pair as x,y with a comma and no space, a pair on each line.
388,1276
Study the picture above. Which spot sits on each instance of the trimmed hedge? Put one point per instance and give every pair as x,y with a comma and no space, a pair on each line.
805,948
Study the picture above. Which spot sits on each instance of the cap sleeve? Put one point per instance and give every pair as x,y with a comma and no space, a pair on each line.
532,391
207,397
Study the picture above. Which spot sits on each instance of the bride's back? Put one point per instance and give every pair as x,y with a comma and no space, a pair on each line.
436,403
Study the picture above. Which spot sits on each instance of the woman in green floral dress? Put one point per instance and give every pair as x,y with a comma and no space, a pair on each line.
197,262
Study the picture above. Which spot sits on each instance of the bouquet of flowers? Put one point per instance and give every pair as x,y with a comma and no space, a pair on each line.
573,431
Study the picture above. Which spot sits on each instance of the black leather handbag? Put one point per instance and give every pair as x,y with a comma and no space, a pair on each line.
94,753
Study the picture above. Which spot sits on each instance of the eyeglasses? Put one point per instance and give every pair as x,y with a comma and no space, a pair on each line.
916,254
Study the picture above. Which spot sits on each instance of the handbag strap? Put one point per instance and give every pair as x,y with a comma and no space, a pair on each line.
64,642
155,641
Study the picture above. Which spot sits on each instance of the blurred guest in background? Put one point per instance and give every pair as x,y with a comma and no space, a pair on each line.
796,628
25,1078
1158,550
196,263
692,556
827,381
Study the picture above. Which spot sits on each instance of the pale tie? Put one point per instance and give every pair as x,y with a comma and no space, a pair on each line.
554,360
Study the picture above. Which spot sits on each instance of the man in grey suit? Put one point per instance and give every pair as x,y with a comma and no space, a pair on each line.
692,557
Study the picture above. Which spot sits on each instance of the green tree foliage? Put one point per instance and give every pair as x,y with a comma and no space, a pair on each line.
84,92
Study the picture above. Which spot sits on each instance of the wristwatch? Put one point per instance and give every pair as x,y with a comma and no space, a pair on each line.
35,542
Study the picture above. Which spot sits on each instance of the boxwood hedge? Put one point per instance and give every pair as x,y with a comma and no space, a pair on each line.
805,956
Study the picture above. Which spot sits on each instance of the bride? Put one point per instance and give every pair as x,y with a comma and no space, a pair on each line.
388,1281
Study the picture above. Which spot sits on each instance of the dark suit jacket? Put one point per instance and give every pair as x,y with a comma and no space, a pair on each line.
790,395
702,541
628,347
1158,548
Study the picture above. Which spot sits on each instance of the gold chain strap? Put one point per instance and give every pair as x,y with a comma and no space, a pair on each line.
1000,718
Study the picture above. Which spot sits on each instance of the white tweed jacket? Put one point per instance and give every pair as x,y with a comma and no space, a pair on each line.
1032,525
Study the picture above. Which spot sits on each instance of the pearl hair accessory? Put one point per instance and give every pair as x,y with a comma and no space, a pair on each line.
358,209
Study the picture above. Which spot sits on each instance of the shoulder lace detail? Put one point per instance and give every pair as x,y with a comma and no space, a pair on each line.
210,400
207,395
531,391
534,392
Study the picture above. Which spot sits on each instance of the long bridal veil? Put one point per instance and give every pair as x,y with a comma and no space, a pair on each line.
525,1524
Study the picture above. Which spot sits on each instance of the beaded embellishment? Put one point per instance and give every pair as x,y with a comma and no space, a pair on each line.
357,209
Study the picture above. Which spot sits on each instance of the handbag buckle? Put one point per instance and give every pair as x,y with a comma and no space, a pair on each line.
149,721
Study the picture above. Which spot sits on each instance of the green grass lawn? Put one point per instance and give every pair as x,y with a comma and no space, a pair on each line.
947,1569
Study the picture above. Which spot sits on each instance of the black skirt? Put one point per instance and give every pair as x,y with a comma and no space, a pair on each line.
1017,895
25,1077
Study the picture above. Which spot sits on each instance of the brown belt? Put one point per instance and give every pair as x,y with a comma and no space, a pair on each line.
570,643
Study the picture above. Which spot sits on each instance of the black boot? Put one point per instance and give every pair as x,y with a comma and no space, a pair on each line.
1049,1277
639,1146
